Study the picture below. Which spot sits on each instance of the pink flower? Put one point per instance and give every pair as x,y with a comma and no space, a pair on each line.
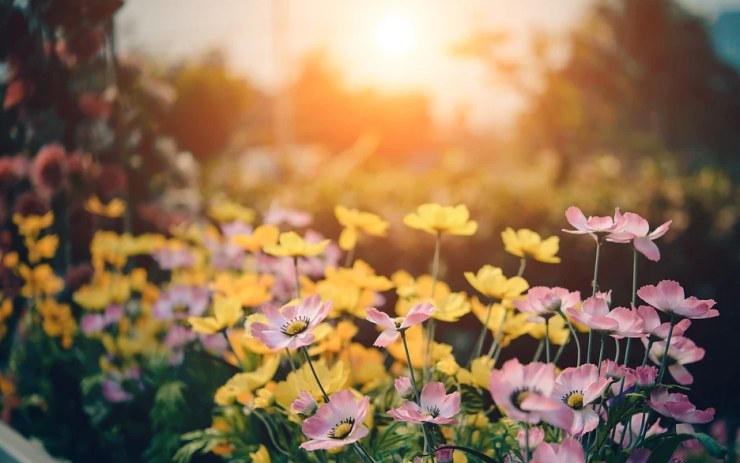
336,423
277,215
393,327
592,225
181,301
291,326
632,430
613,370
668,297
304,404
435,406
569,451
49,169
682,351
543,302
524,393
578,388
637,230
536,436
646,375
678,407
618,323
403,386
445,455
657,330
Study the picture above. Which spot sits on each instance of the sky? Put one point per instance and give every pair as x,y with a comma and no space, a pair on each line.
265,40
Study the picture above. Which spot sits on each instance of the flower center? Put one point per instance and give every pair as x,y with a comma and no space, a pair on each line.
295,326
574,400
433,411
520,395
341,430
397,321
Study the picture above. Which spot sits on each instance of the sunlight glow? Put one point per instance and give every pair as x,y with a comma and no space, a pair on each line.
395,34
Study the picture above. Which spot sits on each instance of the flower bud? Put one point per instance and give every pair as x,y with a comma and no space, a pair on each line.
304,404
404,386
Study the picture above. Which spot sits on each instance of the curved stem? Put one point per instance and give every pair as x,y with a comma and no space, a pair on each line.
310,364
594,285
616,355
522,266
482,336
290,359
575,338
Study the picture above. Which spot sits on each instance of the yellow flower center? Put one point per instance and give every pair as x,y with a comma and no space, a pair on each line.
575,400
295,327
521,397
342,430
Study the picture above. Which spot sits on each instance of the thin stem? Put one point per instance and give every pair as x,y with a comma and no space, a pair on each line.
547,339
430,323
634,276
522,266
664,360
575,338
310,364
349,260
616,355
363,452
559,352
270,434
626,359
538,352
601,351
411,368
435,262
290,359
594,285
297,278
647,351
526,441
482,336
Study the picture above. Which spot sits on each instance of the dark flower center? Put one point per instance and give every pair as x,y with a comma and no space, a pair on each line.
342,429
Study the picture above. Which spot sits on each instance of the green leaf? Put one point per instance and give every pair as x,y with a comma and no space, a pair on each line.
663,452
471,401
710,445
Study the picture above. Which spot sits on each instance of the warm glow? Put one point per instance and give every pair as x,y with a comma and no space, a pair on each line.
395,34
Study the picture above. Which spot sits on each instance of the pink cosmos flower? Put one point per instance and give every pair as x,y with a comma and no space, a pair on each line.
445,455
578,388
637,230
536,436
435,406
613,370
277,215
543,302
657,330
524,393
593,225
403,386
668,297
632,430
170,259
337,422
292,325
618,323
392,327
181,301
682,351
646,375
569,451
678,407
304,404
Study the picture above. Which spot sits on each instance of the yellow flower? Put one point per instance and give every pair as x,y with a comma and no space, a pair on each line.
261,455
6,310
225,211
260,237
434,219
333,380
114,209
417,342
351,290
449,306
558,331
365,364
39,280
491,282
242,383
480,371
353,221
58,321
496,318
525,242
226,312
10,259
249,289
332,339
31,225
448,366
44,248
292,245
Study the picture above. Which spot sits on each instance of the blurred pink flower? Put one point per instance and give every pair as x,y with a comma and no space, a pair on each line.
678,407
578,388
336,423
637,230
568,451
180,302
618,323
436,406
524,393
292,325
536,436
49,169
304,404
403,386
668,296
646,376
543,302
682,351
277,215
392,327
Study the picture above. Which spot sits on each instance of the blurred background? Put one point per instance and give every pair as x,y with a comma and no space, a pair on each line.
516,110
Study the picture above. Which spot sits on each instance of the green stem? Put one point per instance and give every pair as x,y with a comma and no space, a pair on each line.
594,285
547,340
601,351
664,360
430,323
522,266
482,336
616,355
526,442
575,338
411,368
559,352
290,359
350,258
538,352
297,278
647,351
310,364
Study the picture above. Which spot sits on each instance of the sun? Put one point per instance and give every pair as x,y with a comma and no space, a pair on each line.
395,34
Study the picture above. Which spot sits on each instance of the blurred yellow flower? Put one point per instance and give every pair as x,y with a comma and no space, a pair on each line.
224,211
525,242
226,312
448,366
354,221
365,364
249,289
519,325
259,238
248,382
491,282
39,280
10,259
351,290
58,321
333,380
496,317
114,209
480,371
449,306
332,339
32,225
261,455
43,248
291,244
6,310
434,219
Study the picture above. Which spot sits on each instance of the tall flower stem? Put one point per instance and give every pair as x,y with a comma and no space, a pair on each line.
526,442
318,381
594,285
538,352
430,323
601,351
482,336
664,360
522,266
647,351
575,337
297,278
290,359
415,386
547,339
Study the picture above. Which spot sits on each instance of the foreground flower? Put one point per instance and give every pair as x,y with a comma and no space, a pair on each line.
354,221
392,327
636,229
526,243
578,388
435,219
568,451
336,423
618,323
435,406
543,302
657,330
226,312
524,393
681,352
292,325
668,296
678,407
592,225
291,244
